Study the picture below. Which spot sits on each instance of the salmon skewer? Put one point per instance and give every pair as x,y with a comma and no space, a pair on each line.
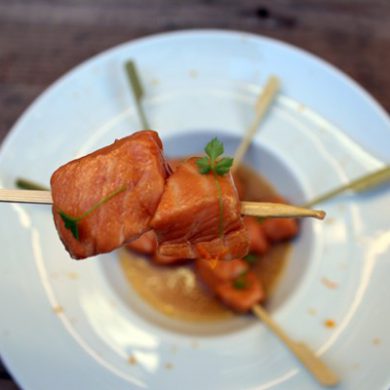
111,197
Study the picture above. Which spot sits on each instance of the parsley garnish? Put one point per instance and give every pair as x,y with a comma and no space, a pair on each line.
218,167
221,166
71,223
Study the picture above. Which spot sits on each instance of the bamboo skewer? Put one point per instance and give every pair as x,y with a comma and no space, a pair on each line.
363,183
273,210
25,196
258,209
313,364
27,184
263,103
321,372
138,91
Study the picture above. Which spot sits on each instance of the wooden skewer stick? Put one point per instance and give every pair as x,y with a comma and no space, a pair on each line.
277,210
320,371
25,196
263,103
314,365
138,91
363,183
258,209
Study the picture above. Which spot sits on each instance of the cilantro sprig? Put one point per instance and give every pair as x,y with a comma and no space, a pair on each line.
72,223
212,163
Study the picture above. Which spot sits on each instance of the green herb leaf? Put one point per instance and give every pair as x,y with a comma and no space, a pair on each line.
203,165
71,224
260,220
211,163
220,205
214,149
223,165
219,168
240,282
250,258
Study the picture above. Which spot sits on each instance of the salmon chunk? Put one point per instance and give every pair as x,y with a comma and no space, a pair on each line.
232,282
257,237
130,174
279,229
147,245
243,298
189,221
216,272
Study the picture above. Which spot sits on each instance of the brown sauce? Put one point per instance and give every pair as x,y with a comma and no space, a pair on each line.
177,292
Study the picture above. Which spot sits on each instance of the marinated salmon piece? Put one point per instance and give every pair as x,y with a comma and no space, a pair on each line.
257,238
241,294
167,260
146,244
239,186
232,282
189,216
130,174
174,163
213,272
279,229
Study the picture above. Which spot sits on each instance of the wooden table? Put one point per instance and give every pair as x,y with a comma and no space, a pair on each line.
40,40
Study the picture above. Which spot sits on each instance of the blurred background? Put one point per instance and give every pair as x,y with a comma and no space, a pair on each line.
42,39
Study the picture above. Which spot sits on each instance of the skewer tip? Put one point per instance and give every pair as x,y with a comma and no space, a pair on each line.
320,214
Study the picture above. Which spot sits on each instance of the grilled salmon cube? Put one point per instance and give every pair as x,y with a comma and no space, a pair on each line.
241,299
167,260
189,216
134,169
232,282
213,272
145,244
258,240
279,229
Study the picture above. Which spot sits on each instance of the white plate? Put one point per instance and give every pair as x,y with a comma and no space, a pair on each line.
68,324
